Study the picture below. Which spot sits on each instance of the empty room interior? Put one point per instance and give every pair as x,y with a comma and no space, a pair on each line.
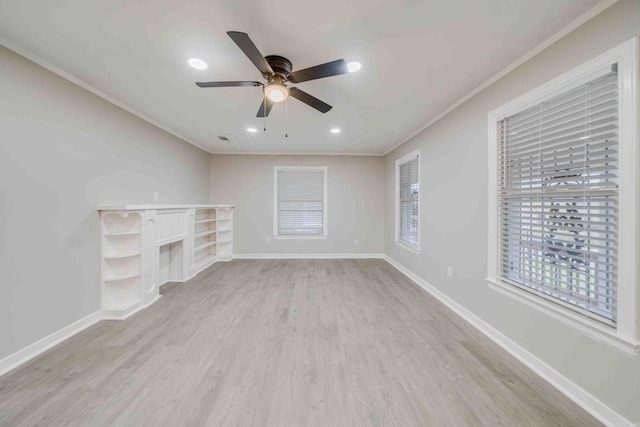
338,213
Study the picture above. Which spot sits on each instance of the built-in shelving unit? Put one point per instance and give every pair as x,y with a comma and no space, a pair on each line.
121,260
205,233
225,232
213,235
144,246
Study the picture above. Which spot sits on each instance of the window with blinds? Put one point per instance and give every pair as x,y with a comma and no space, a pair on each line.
300,201
408,203
558,197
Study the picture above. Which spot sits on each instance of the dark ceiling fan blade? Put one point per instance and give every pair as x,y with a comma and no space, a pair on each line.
311,101
246,45
262,111
227,84
329,69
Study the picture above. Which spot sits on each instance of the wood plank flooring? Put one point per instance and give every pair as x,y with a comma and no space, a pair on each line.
285,343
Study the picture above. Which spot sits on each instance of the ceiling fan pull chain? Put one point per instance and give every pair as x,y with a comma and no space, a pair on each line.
264,109
286,117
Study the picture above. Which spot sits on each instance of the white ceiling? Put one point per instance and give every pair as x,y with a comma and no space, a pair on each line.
418,57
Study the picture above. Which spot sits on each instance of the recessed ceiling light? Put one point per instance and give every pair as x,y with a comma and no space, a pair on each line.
197,63
252,130
354,66
336,130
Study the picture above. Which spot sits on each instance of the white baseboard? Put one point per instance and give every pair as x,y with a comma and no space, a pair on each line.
584,399
22,356
309,256
123,314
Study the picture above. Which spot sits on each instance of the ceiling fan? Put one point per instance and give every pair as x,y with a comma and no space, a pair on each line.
277,71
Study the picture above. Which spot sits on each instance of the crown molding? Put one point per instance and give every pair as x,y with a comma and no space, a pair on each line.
589,14
84,85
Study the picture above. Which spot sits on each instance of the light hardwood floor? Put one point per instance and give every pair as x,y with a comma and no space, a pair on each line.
285,343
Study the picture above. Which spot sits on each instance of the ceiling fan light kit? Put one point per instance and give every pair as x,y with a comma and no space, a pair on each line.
276,92
277,71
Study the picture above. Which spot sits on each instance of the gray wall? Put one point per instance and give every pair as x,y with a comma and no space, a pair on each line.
63,151
454,218
355,198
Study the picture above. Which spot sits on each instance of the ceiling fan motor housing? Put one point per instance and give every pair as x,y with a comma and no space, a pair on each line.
280,65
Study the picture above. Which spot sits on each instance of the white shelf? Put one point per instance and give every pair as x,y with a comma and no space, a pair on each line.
118,279
204,233
122,233
224,241
120,256
203,221
204,246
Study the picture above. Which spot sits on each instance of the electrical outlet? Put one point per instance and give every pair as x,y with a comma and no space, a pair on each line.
357,241
156,195
450,271
268,239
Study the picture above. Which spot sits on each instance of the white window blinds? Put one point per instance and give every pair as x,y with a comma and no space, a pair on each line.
408,203
558,197
300,202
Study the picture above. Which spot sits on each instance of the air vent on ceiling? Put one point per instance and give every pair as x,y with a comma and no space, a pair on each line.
223,138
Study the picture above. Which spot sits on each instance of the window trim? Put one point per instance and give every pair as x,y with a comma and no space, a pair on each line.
625,335
277,169
400,161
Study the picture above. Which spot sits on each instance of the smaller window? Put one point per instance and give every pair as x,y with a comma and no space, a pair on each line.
300,201
408,200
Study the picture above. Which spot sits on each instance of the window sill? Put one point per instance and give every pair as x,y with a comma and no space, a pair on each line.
415,250
590,327
287,237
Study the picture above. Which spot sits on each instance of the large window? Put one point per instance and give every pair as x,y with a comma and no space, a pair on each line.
408,200
563,195
300,201
558,195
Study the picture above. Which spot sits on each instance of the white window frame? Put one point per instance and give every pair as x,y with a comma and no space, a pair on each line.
625,334
410,156
277,169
